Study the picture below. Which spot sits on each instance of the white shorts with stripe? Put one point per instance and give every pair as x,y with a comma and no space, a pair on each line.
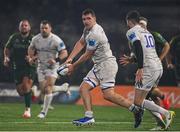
103,74
150,79
48,72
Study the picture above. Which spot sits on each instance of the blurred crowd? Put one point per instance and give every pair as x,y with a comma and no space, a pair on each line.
65,16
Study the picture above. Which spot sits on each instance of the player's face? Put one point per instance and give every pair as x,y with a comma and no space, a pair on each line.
88,21
24,27
45,30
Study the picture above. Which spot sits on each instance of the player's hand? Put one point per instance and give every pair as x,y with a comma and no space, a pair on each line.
69,60
70,69
51,61
124,60
139,75
6,61
31,60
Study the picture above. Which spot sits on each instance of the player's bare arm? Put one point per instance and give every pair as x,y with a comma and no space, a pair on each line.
31,55
165,50
77,48
84,57
6,57
62,56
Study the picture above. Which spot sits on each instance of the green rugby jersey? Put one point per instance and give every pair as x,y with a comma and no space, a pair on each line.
159,42
18,47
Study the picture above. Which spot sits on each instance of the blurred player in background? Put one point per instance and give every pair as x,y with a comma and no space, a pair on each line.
16,51
174,57
103,72
162,48
49,50
149,65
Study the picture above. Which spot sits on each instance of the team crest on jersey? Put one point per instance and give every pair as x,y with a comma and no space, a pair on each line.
132,36
61,45
91,42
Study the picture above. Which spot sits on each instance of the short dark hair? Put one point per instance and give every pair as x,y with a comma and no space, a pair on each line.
44,22
25,20
133,15
143,18
89,11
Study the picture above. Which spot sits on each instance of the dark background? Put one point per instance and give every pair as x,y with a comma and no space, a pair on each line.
65,16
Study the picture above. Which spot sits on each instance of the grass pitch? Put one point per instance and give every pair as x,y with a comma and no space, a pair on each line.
59,119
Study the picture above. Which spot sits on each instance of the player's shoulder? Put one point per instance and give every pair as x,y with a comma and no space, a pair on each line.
14,35
156,34
36,37
135,29
55,37
96,31
135,33
131,33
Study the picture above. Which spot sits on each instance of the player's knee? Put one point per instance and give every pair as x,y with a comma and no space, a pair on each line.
26,87
107,96
83,90
48,89
20,91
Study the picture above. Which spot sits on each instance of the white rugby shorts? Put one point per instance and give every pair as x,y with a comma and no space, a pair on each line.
103,74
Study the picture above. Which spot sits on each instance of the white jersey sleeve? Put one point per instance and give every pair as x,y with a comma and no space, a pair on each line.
91,42
132,36
59,43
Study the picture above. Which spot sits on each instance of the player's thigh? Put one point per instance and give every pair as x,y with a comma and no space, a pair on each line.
85,87
50,81
51,73
42,86
41,75
50,77
30,72
91,78
18,76
20,90
107,74
29,75
150,79
109,93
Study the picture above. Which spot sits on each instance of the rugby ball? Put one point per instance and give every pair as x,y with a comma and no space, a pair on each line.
63,70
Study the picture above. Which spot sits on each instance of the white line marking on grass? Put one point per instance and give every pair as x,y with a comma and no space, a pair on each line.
55,122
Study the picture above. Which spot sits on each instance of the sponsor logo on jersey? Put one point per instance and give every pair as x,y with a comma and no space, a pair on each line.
132,36
61,44
91,42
